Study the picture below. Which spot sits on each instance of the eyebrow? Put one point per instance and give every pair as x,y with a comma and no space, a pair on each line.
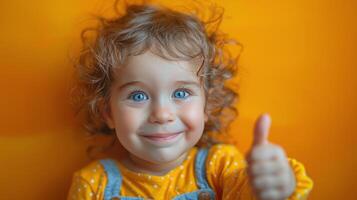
176,83
188,83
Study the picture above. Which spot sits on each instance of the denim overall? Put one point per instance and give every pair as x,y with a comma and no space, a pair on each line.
112,189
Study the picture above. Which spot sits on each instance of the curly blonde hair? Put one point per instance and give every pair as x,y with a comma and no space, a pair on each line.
170,34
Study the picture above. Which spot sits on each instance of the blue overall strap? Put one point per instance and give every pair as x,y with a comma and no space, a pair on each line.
200,169
114,178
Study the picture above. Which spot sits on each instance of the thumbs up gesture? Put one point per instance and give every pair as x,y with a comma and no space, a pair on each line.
269,171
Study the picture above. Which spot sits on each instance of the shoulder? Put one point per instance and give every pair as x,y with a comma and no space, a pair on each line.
222,157
92,174
88,182
224,151
90,170
225,167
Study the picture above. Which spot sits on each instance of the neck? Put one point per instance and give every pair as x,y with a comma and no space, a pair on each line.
159,169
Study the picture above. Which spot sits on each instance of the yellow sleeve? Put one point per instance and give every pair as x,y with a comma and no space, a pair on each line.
227,174
304,183
80,189
88,183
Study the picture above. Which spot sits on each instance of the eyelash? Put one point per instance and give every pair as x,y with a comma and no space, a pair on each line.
181,88
185,89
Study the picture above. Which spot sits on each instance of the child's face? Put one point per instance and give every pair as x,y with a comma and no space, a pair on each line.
157,107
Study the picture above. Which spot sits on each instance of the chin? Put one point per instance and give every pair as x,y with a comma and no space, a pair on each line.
165,155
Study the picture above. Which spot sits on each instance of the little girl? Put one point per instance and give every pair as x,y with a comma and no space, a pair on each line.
154,78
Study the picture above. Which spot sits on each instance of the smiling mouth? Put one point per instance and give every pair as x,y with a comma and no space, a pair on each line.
161,136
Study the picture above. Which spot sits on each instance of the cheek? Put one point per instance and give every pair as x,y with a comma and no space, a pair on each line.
193,115
127,120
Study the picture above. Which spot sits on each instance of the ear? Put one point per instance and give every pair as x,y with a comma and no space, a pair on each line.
107,116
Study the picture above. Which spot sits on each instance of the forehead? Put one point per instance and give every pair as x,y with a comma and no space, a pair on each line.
148,67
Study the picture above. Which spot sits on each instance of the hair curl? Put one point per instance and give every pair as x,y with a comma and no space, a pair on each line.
170,34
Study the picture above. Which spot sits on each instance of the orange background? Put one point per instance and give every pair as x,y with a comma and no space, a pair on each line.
299,64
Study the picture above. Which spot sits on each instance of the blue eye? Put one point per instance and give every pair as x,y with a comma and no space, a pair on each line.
138,96
181,94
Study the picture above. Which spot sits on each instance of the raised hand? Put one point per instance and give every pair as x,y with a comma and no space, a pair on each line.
269,171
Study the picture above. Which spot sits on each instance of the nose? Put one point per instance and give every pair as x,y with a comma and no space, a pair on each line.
162,114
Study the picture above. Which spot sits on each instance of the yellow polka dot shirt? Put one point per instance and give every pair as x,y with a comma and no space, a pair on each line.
225,172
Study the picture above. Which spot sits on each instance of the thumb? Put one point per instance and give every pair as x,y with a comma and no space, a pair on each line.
261,129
